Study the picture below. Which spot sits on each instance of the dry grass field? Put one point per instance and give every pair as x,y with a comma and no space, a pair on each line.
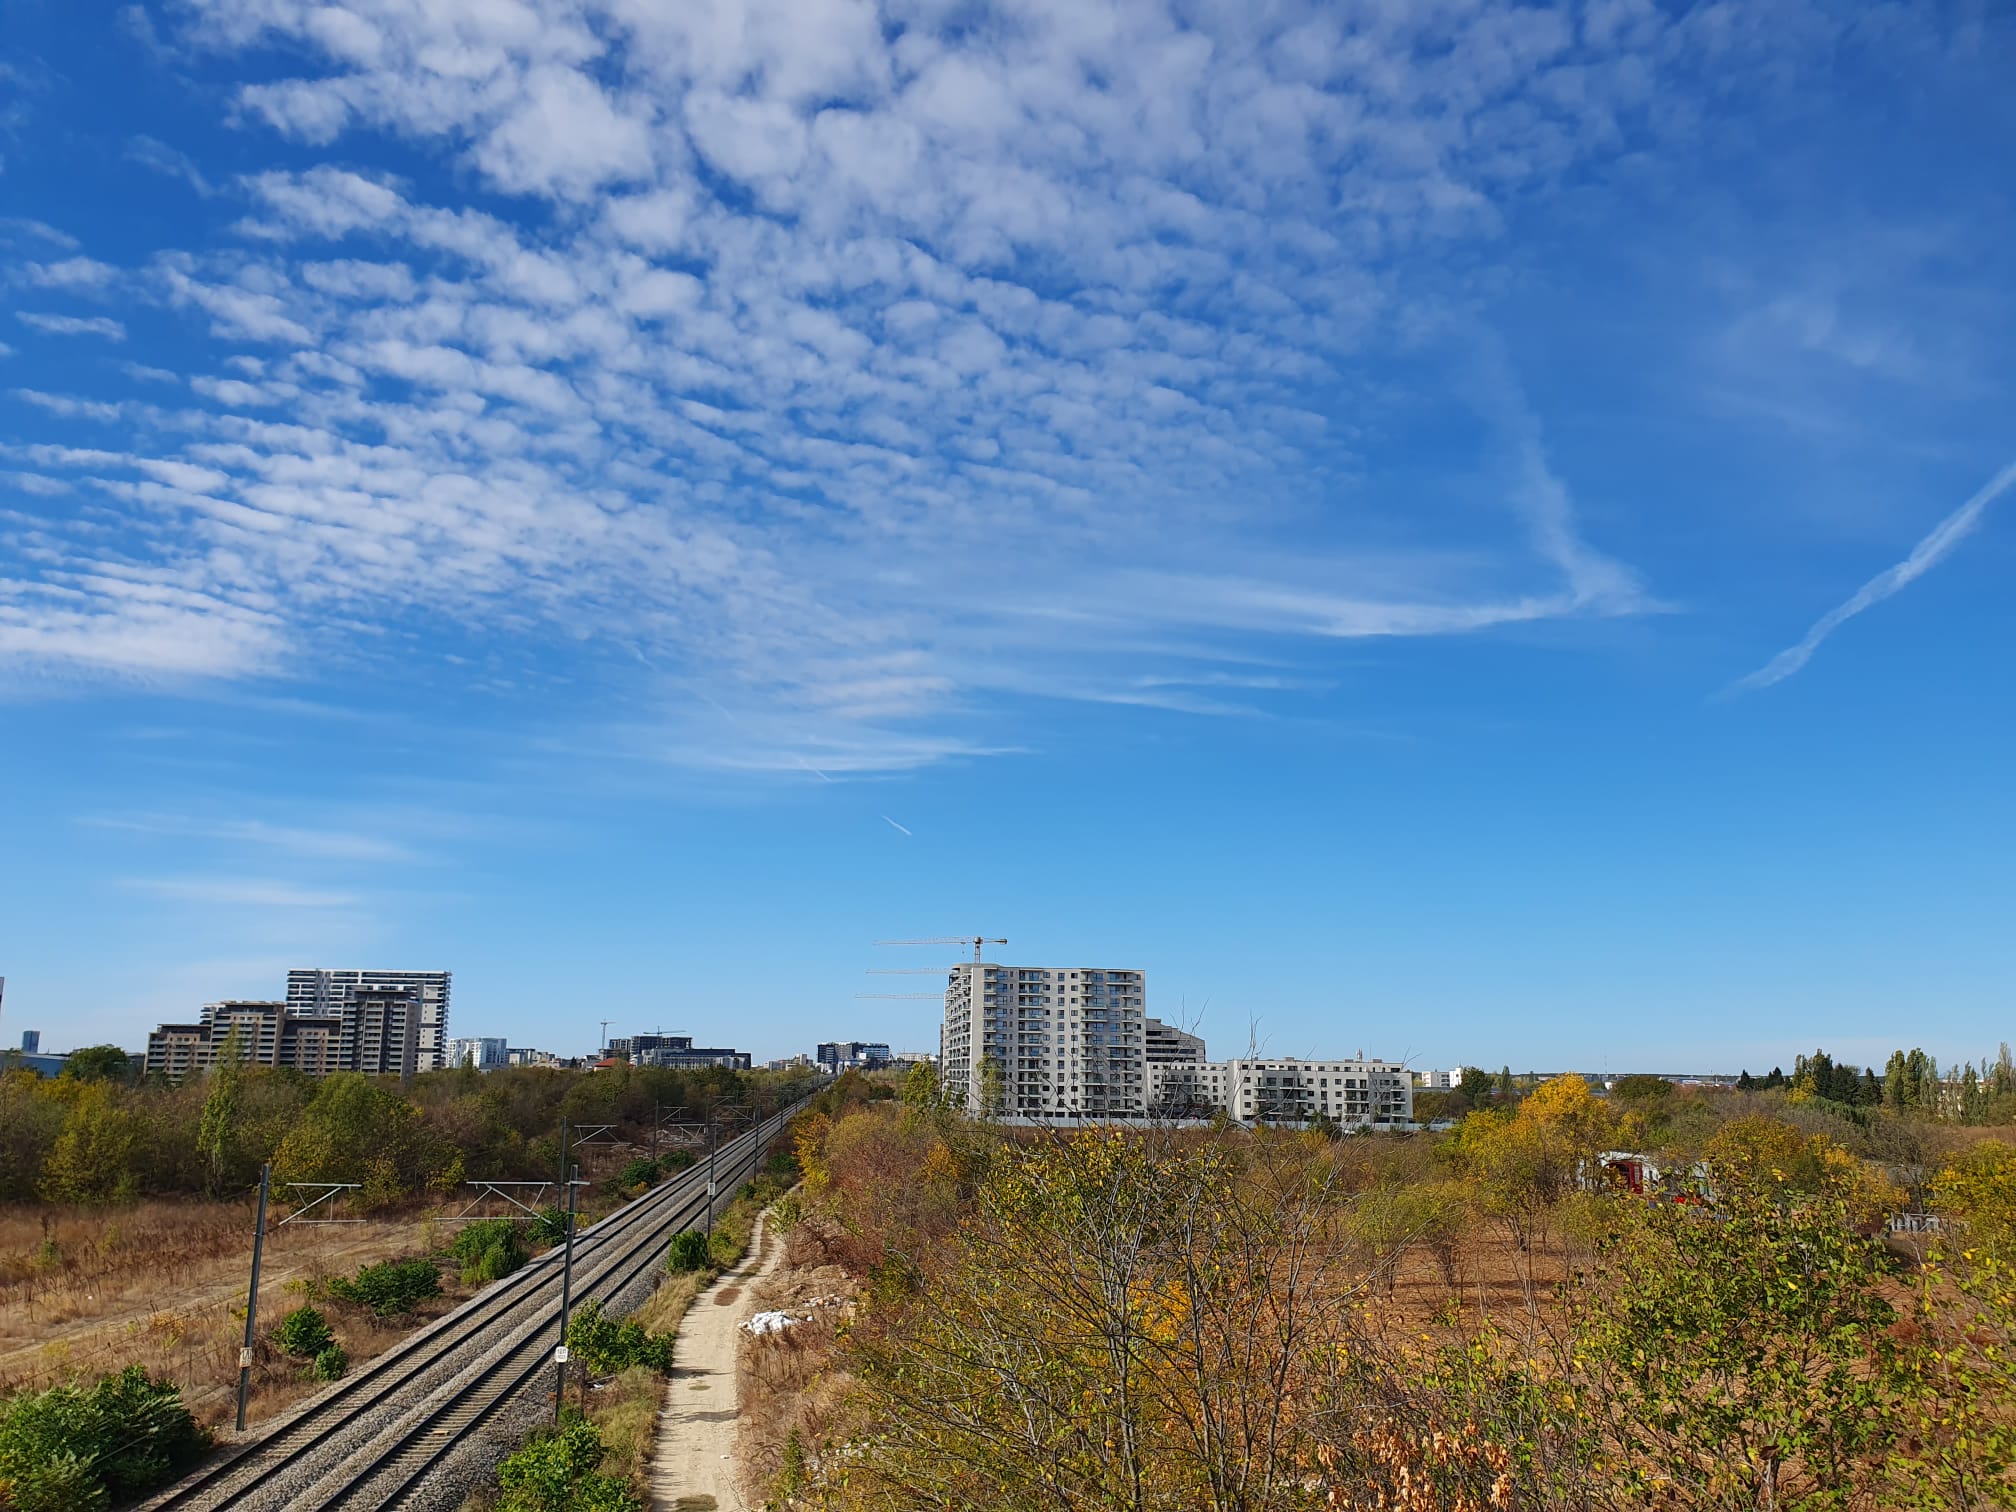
162,1284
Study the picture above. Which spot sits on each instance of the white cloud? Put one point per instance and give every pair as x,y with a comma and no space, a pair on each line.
71,273
73,325
340,845
792,322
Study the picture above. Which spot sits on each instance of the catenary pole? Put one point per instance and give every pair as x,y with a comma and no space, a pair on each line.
712,1138
252,1296
566,1299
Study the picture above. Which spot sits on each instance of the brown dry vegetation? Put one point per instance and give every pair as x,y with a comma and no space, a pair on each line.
792,1382
1459,1323
88,1290
84,1292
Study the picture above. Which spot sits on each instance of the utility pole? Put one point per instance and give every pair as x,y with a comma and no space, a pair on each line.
566,1299
252,1296
605,1039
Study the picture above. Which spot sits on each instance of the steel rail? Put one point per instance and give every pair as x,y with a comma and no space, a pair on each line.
628,1238
448,1416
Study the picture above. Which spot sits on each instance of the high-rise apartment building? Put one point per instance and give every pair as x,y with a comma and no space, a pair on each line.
323,990
1045,1042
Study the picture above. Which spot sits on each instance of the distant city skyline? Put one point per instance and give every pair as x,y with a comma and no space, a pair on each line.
1476,533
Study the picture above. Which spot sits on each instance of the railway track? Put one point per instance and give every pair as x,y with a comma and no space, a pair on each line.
374,1436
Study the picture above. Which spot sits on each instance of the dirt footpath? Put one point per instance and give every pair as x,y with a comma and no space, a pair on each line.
693,1467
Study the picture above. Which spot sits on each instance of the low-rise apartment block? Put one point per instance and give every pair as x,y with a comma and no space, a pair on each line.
1439,1081
1354,1093
838,1055
255,1034
483,1054
676,1052
1168,1045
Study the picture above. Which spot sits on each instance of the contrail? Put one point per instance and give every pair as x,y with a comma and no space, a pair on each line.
894,825
1926,555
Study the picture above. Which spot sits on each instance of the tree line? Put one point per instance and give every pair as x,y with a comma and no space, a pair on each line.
95,1134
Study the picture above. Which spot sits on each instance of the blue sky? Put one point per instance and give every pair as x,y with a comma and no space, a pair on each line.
1458,530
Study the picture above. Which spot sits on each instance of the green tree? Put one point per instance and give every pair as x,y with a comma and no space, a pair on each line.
1638,1088
1973,1100
921,1094
1917,1079
93,1159
1747,1360
98,1063
1896,1082
358,1130
31,1121
219,1128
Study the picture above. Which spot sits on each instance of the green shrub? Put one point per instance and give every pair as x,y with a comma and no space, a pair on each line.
677,1160
489,1250
303,1334
79,1449
550,1227
391,1288
606,1346
641,1172
688,1252
498,1261
560,1473
329,1364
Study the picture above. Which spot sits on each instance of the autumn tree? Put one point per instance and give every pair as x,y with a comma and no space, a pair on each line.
1124,1322
1523,1163
93,1159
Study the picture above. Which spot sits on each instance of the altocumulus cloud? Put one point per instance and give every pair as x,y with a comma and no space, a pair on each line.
775,323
